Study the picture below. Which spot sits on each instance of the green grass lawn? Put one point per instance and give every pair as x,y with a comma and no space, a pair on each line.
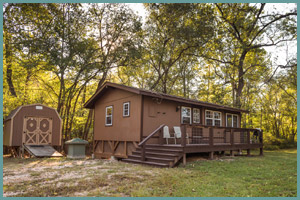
273,175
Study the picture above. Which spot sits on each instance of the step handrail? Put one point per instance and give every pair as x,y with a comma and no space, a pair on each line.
142,144
149,136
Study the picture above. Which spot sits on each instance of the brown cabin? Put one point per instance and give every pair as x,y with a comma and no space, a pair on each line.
128,121
34,124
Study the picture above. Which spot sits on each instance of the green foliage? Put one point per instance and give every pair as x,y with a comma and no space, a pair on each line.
59,54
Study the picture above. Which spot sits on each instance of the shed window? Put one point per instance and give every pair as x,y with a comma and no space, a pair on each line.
231,120
196,115
108,115
186,115
126,109
213,118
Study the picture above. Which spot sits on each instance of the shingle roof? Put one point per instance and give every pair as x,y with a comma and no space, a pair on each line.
90,103
11,114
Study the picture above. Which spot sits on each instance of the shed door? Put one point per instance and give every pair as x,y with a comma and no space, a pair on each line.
37,130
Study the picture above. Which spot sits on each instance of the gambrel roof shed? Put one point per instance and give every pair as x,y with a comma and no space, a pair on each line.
34,124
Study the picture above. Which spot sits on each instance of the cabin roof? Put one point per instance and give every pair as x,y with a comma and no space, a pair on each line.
91,102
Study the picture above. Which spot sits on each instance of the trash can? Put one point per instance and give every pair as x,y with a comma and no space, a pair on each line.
76,148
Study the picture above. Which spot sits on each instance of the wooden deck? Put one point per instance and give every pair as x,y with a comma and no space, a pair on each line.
200,139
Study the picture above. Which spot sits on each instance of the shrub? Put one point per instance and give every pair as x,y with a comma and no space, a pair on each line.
273,143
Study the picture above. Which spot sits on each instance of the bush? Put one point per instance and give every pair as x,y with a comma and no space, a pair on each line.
271,147
273,143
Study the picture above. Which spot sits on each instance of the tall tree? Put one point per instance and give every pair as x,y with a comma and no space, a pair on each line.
244,30
115,28
171,31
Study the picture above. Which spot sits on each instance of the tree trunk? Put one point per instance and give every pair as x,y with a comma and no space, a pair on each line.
8,57
8,51
89,120
25,100
240,80
184,84
61,96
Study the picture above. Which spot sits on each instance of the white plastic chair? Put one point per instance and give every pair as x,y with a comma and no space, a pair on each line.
167,134
178,133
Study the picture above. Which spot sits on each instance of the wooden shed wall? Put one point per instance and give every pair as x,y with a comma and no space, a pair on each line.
31,111
123,128
121,138
7,133
164,112
157,113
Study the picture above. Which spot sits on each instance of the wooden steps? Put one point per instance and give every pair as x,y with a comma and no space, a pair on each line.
155,164
157,155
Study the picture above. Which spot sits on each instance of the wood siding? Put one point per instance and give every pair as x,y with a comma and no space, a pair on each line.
31,111
122,128
165,112
7,133
120,138
157,113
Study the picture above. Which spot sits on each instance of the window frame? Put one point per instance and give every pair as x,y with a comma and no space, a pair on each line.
199,116
126,103
237,120
213,118
112,111
185,116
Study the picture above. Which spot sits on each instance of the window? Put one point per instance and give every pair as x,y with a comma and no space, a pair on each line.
126,109
231,120
108,115
196,115
186,117
213,118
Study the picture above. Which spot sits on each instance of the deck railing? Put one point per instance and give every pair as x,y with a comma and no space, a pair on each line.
208,135
142,144
211,135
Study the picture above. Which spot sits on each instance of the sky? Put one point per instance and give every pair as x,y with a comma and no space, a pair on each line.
279,55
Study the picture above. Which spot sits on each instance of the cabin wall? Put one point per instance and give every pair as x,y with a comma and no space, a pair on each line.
122,128
7,133
31,111
165,112
119,138
223,120
157,113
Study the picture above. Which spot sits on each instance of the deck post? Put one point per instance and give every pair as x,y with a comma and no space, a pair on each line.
143,157
261,151
231,137
211,155
248,152
184,159
248,136
231,141
183,137
211,137
231,153
161,139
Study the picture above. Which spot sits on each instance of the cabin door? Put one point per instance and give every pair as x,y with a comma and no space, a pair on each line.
37,130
